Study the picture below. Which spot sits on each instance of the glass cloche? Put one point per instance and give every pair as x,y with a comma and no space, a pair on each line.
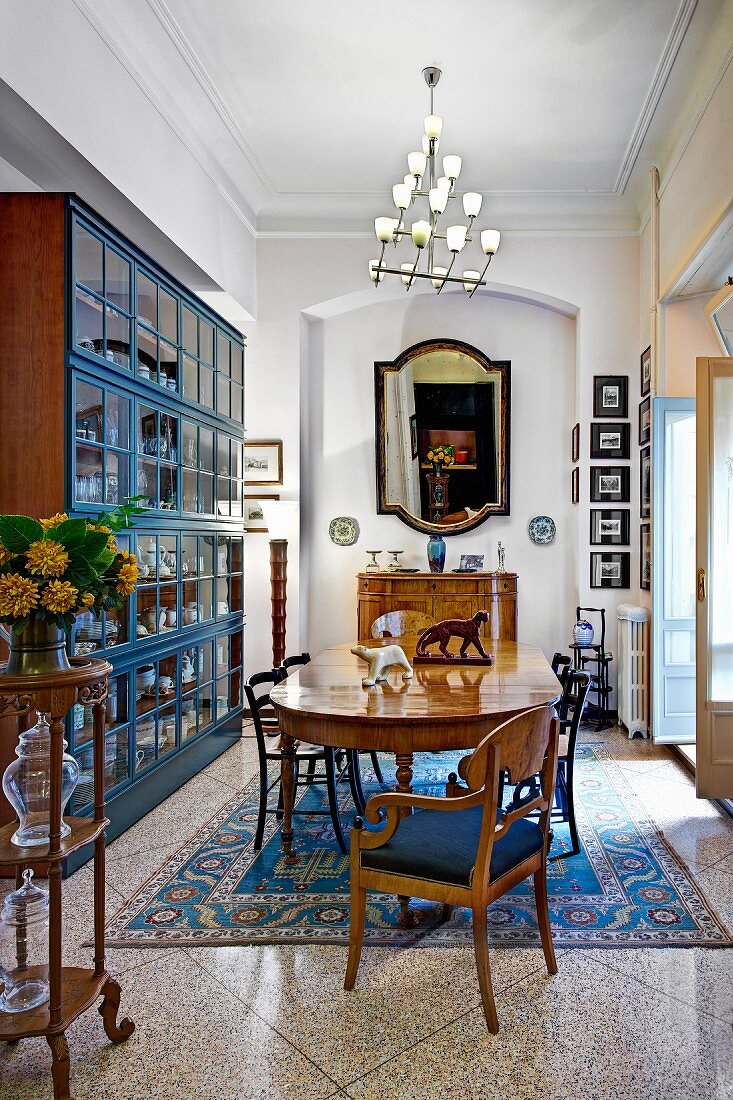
27,785
23,947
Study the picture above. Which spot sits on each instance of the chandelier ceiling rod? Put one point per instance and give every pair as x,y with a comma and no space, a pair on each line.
425,233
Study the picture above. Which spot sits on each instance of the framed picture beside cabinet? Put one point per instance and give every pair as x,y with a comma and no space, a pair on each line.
609,483
610,396
645,557
645,421
575,444
263,462
610,570
609,526
254,518
413,436
575,485
646,371
645,483
610,440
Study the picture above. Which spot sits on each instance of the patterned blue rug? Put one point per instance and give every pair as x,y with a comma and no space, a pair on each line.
625,889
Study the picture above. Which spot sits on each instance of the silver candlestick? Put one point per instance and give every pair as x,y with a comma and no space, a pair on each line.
500,553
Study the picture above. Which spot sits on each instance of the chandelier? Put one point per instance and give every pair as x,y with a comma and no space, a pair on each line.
421,182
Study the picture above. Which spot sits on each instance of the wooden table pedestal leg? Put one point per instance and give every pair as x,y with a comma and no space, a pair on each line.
287,780
60,1065
405,761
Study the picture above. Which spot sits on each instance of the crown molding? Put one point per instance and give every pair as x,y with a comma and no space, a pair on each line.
664,67
242,211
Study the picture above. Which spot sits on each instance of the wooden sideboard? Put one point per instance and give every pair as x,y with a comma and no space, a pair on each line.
440,596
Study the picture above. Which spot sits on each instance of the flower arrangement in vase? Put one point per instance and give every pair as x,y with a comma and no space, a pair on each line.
442,454
51,569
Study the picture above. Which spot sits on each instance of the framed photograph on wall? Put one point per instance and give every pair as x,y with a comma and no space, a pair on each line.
645,483
645,560
610,483
263,462
254,519
610,440
609,526
610,395
645,421
610,570
575,448
413,435
646,371
575,485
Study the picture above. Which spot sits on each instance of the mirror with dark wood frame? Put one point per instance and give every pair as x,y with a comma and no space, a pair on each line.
442,436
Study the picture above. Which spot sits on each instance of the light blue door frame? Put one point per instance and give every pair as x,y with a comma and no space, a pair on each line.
673,571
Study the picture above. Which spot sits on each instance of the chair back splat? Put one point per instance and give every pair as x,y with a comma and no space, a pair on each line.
396,624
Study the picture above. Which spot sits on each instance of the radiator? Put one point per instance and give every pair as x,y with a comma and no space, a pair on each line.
633,668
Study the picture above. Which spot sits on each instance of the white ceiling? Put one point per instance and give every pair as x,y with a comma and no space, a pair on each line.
305,112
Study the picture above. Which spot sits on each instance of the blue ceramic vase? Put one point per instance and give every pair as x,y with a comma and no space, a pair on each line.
436,553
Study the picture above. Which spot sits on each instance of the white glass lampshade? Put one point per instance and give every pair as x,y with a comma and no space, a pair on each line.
426,145
455,237
437,283
468,287
490,240
452,167
374,274
433,126
401,195
438,199
409,268
279,516
384,228
416,163
472,204
420,233
443,183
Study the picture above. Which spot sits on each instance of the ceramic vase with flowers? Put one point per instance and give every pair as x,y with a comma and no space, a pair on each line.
50,570
442,454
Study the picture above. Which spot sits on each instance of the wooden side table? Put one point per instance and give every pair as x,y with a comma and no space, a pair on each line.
73,989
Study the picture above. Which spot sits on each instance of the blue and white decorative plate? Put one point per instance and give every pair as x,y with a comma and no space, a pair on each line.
541,530
343,530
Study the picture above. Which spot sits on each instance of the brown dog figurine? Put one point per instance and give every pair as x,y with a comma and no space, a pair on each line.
468,629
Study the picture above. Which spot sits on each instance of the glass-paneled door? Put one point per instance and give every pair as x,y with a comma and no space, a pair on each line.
714,580
673,709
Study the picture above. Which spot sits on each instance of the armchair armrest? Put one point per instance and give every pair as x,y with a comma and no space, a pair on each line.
393,802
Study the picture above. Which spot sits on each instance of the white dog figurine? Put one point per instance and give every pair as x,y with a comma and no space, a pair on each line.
379,660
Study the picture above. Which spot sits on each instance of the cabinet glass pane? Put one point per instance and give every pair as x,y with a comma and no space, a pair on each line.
206,386
168,487
222,454
168,375
222,395
147,300
237,555
679,515
206,706
146,729
222,597
190,603
190,491
237,498
88,412
89,259
206,600
116,626
190,378
118,338
190,331
117,280
147,482
206,556
222,354
222,697
168,446
88,633
147,355
237,364
88,322
222,655
236,593
167,733
190,453
222,496
117,478
148,619
188,717
167,607
206,449
206,494
117,423
147,430
237,459
237,403
189,556
206,666
168,326
88,479
117,702
206,342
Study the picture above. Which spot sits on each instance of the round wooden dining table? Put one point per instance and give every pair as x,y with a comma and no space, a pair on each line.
442,707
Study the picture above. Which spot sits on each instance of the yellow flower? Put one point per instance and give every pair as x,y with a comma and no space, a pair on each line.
111,544
87,599
127,556
431,455
99,527
127,578
5,555
59,596
47,557
53,521
18,595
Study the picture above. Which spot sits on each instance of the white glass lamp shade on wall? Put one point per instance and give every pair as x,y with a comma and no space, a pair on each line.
279,516
420,233
438,199
455,237
490,240
433,126
476,275
472,204
452,167
416,163
384,228
437,283
401,195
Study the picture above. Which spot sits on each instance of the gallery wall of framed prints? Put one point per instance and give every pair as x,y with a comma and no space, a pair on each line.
609,443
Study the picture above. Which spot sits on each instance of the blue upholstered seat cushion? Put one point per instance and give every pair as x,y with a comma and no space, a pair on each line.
441,846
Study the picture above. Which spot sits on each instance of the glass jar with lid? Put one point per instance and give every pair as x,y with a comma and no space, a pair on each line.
27,785
24,947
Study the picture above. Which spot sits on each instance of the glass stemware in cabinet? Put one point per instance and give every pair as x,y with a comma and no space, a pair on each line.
373,566
27,785
23,947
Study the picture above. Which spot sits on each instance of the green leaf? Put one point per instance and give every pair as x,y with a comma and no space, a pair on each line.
70,534
93,545
18,532
105,559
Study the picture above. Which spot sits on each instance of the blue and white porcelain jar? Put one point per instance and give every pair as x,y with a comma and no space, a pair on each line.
583,633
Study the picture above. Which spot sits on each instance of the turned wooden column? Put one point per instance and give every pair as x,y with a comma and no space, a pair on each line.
278,597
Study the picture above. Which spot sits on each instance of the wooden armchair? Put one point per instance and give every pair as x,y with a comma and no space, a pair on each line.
464,849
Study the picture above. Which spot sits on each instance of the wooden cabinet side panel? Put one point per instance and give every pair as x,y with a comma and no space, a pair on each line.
32,266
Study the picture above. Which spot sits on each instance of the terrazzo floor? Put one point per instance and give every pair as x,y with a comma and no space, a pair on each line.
275,1022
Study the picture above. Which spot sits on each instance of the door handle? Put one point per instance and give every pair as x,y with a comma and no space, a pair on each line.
700,585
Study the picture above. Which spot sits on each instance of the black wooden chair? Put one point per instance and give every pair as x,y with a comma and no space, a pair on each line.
561,666
257,690
595,660
570,712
